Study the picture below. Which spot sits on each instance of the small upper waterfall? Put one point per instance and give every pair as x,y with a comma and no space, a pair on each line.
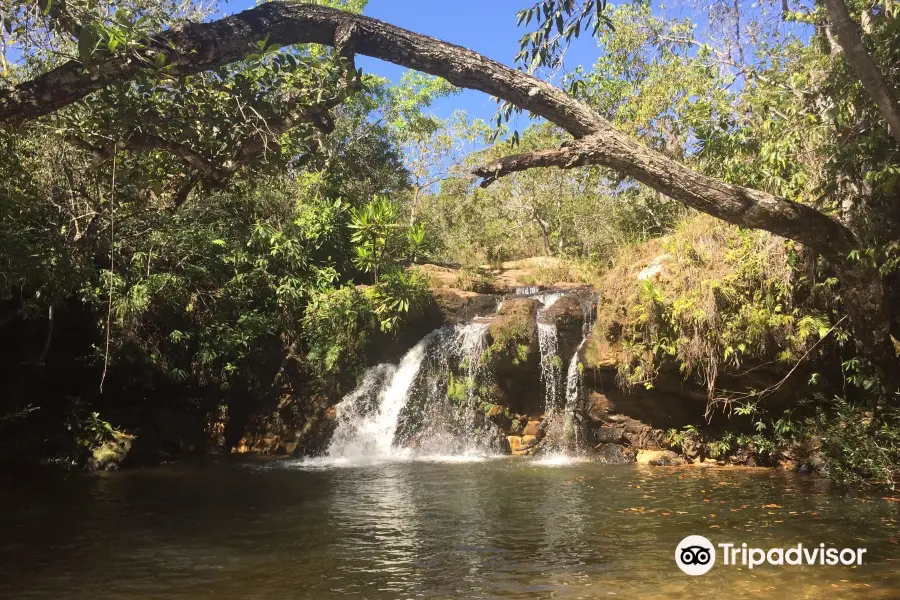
560,414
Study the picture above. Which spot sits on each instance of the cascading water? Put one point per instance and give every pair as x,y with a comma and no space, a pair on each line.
573,396
446,416
434,403
550,364
368,431
400,412
548,299
560,427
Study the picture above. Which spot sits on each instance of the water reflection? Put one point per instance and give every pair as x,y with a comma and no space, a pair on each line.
494,529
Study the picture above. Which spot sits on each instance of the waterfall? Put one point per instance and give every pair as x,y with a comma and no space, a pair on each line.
560,428
550,364
548,299
368,431
411,410
356,407
471,342
573,396
573,380
436,402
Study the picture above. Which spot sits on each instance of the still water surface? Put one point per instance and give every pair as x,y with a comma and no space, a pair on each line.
502,528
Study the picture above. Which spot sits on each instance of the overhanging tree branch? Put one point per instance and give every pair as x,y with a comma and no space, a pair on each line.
202,46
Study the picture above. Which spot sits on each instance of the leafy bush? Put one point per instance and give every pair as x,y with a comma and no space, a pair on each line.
861,445
336,324
472,279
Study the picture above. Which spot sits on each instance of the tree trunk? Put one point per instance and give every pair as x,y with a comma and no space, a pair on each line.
545,234
865,300
199,47
847,33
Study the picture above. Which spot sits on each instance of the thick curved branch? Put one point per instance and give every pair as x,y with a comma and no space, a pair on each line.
198,47
198,162
202,46
847,32
735,204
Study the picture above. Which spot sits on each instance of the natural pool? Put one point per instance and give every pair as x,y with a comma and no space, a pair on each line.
443,528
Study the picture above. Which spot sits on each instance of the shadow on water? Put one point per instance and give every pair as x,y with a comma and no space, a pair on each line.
506,528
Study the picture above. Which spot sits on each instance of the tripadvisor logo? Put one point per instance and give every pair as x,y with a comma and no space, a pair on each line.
696,555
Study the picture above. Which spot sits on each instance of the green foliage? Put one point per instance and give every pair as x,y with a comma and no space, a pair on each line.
374,234
861,445
723,296
473,279
394,296
336,324
512,332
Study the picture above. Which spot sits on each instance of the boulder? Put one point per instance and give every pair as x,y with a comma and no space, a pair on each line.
532,428
658,458
567,314
519,445
457,306
622,429
614,454
609,434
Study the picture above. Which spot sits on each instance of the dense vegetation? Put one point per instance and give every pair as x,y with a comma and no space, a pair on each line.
209,243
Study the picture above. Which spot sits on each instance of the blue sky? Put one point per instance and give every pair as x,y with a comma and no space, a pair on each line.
486,26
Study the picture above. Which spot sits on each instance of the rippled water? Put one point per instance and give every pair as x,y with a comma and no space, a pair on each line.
461,528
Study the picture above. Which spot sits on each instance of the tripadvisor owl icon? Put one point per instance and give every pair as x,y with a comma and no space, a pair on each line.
695,555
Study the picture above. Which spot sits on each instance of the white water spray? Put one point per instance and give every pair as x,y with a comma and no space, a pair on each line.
550,363
363,433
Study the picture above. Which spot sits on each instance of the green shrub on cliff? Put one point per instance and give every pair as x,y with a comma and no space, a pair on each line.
513,331
710,297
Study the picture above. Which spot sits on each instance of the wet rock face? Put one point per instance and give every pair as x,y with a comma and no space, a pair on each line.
457,306
515,356
614,454
287,430
568,316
